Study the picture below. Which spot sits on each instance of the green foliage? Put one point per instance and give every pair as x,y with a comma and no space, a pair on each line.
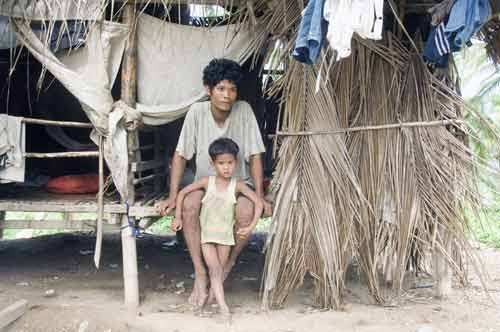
481,88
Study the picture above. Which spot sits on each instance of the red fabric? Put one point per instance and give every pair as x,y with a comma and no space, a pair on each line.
74,184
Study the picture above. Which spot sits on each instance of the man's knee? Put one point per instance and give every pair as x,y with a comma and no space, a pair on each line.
191,205
244,211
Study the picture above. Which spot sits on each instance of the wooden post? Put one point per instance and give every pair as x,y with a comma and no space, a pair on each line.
2,219
128,95
442,272
100,206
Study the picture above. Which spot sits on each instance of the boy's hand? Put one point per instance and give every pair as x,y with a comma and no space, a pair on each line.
176,224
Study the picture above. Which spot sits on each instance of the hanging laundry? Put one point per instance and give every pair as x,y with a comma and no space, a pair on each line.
365,17
438,47
311,32
465,18
12,148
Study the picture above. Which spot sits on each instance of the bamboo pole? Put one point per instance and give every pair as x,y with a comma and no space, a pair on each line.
71,154
100,206
128,95
437,123
57,123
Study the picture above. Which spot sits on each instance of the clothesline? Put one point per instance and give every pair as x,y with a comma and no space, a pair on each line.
375,127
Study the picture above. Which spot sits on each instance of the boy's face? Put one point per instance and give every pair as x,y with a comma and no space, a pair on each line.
223,95
224,165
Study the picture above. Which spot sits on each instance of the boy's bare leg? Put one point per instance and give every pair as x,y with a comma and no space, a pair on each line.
223,252
192,235
211,255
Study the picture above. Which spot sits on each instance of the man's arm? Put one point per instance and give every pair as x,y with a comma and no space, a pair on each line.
257,173
177,171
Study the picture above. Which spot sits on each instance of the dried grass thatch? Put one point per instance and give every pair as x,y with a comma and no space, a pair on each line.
386,197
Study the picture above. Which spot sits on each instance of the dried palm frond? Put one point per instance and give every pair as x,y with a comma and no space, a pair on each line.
316,207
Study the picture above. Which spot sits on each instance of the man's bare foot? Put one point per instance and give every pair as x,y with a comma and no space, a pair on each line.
228,267
199,294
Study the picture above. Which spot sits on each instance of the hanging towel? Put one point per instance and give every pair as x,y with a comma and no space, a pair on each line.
12,148
365,17
311,31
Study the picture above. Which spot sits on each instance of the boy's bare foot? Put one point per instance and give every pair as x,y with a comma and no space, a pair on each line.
211,297
199,295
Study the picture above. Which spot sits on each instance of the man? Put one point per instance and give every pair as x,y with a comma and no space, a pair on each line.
222,116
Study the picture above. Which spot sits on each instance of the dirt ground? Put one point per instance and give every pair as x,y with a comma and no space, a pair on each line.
88,300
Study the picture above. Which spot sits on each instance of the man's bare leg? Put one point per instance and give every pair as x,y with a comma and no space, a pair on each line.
212,253
192,235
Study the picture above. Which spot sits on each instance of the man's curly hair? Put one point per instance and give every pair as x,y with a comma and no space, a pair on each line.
222,69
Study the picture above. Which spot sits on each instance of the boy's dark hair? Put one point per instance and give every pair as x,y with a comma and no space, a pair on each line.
222,69
222,146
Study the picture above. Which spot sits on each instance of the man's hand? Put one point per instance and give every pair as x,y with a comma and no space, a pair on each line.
176,225
244,232
165,206
268,208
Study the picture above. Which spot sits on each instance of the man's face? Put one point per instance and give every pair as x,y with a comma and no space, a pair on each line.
223,95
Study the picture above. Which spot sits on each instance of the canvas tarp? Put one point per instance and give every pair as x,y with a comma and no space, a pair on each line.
52,9
171,58
170,63
88,73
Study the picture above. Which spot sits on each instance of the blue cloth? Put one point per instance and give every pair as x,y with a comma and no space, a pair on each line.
311,33
439,46
466,18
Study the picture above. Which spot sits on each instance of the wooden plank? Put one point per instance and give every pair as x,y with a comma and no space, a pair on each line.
72,154
12,313
135,211
147,165
55,207
143,211
76,225
57,123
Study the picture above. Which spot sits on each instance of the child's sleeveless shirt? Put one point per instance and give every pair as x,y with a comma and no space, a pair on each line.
217,214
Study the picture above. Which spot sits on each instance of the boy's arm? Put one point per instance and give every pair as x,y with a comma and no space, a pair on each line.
242,188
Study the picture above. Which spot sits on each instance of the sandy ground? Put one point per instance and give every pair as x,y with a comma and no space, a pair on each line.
89,300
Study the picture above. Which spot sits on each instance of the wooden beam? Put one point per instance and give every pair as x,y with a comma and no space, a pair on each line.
75,154
74,225
147,165
12,313
128,95
57,207
134,211
57,123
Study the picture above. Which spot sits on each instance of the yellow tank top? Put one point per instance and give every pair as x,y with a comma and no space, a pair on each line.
217,214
